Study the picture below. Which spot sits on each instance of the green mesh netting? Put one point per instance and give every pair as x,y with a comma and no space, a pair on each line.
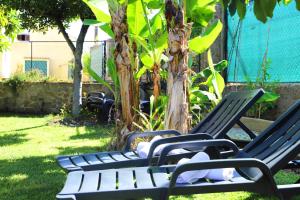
247,43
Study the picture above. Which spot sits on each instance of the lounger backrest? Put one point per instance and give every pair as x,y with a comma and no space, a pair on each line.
279,143
225,115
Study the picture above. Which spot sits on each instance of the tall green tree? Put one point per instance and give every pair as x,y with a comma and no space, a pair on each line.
9,27
38,15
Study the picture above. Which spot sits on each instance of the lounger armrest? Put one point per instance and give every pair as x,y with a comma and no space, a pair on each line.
131,137
195,145
224,163
176,139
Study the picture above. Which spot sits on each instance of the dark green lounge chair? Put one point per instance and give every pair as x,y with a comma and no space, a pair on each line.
218,122
257,163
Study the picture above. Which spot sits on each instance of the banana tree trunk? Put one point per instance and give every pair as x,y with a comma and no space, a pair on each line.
177,114
122,55
156,81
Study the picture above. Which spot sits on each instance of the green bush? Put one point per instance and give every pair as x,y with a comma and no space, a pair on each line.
34,75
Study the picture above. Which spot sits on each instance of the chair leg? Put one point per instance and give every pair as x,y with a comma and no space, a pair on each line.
161,196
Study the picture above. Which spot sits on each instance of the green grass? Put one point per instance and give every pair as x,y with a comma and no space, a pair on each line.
28,146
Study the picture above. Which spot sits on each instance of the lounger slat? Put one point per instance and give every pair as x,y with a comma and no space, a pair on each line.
273,130
215,117
275,156
131,155
143,178
79,161
73,182
90,182
92,159
118,156
65,162
276,145
126,179
108,180
104,157
222,116
275,136
221,123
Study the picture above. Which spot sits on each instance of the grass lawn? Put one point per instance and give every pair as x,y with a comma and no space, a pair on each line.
28,146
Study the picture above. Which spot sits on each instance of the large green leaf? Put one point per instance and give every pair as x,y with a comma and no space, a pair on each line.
147,60
154,4
298,4
232,7
99,79
142,42
141,72
202,43
156,23
162,42
264,9
107,29
103,26
98,9
268,97
205,73
135,18
92,22
220,66
219,84
112,70
241,8
201,11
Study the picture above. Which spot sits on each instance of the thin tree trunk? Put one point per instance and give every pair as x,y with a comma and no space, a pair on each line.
177,114
128,89
77,82
77,52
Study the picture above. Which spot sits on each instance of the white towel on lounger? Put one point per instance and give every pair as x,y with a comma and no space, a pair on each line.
193,176
143,148
212,174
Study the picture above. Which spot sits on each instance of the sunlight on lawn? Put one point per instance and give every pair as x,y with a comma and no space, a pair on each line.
28,146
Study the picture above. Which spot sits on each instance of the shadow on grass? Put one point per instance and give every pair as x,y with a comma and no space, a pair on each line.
23,129
33,178
22,115
95,132
10,139
36,178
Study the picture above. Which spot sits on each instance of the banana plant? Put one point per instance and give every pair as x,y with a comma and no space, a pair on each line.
154,120
124,19
153,55
182,16
206,88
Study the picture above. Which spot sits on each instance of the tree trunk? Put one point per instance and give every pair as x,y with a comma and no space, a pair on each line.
77,52
128,89
156,81
177,114
77,82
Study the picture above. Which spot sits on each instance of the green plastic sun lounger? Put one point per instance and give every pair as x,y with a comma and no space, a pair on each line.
215,126
257,163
